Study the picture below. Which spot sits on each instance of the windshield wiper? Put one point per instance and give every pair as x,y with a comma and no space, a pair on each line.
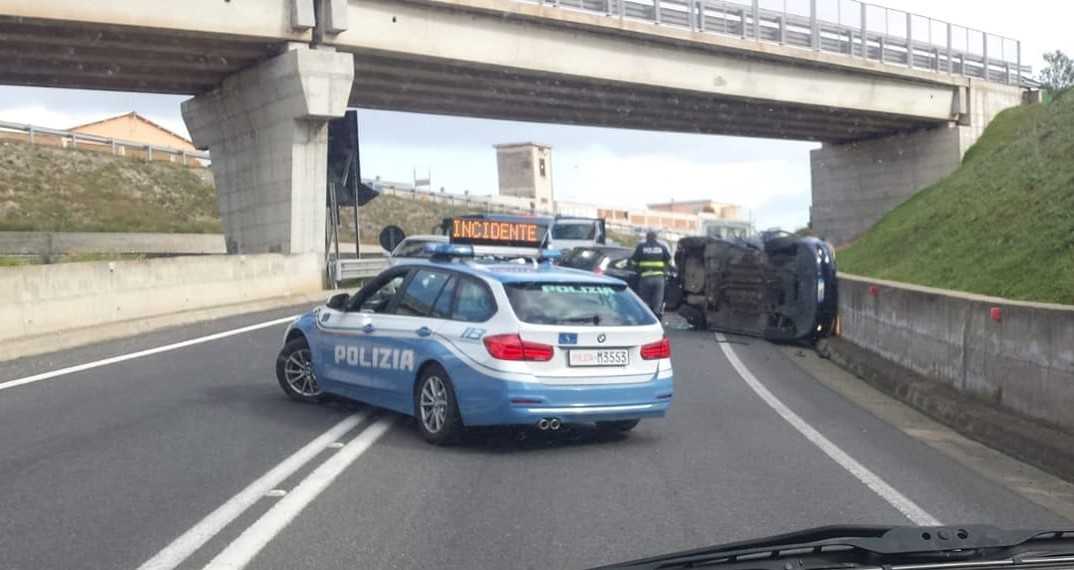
875,548
595,319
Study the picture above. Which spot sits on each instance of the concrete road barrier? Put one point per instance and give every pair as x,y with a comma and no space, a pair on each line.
58,243
1016,355
44,299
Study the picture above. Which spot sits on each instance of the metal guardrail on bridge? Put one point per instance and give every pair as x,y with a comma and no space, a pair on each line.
854,29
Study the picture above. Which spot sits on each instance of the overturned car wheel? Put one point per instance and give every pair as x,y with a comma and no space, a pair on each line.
694,316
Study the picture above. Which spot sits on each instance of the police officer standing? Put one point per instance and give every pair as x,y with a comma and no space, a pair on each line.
652,260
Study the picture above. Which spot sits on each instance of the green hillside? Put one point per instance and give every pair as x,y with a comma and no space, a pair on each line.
1002,225
53,189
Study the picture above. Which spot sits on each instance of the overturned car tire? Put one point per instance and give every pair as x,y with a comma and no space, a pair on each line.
694,316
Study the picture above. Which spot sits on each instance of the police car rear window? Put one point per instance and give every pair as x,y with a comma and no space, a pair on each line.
577,304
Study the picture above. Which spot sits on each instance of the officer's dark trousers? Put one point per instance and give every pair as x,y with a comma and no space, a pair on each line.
651,290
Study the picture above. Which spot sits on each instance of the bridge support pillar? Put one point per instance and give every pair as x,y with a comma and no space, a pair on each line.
266,128
855,184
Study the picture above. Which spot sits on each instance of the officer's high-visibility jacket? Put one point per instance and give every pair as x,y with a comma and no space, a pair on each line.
652,259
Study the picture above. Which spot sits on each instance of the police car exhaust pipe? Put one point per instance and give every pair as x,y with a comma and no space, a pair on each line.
543,424
553,424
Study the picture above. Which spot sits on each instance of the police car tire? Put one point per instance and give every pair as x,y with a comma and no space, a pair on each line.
291,347
618,425
452,428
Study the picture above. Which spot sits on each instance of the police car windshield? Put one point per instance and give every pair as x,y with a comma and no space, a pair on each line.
574,230
577,304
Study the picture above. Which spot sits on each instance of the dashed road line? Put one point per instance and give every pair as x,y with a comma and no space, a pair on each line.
189,542
244,548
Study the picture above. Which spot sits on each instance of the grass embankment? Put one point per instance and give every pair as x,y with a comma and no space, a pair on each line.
66,190
1002,224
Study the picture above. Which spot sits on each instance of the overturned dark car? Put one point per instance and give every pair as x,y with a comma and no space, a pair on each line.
778,286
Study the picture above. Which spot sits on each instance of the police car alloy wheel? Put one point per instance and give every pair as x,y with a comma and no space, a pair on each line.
294,370
435,407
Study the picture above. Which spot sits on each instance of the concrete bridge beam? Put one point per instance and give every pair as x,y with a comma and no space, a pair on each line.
267,130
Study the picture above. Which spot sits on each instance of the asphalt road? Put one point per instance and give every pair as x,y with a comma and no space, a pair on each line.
108,466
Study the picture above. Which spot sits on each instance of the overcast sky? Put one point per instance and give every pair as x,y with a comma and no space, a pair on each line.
604,166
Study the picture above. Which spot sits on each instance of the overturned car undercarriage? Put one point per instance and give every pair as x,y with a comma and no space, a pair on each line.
780,287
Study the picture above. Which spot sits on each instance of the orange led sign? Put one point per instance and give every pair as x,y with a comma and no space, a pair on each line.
492,231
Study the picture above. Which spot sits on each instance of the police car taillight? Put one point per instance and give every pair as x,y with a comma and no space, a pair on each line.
657,350
512,347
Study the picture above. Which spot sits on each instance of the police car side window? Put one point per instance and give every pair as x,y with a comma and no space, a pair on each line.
379,300
442,307
421,293
474,303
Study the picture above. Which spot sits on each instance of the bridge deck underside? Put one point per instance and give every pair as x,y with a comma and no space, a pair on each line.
404,83
45,53
61,54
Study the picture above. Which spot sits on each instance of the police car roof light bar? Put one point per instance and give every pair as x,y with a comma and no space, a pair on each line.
448,251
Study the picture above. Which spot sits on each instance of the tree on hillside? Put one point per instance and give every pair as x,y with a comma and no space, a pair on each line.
1058,75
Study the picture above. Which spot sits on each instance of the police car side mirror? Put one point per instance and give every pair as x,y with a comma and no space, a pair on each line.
338,302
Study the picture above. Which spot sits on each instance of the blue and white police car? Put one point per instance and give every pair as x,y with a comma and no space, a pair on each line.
460,341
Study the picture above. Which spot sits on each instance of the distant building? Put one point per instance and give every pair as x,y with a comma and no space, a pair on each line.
719,209
136,128
576,209
525,171
679,223
131,131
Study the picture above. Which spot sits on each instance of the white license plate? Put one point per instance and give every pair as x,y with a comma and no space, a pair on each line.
598,357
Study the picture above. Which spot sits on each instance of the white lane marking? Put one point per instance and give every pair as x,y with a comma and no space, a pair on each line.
871,480
129,356
240,552
189,542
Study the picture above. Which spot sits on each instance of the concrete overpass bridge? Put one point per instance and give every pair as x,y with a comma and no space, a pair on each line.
895,98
